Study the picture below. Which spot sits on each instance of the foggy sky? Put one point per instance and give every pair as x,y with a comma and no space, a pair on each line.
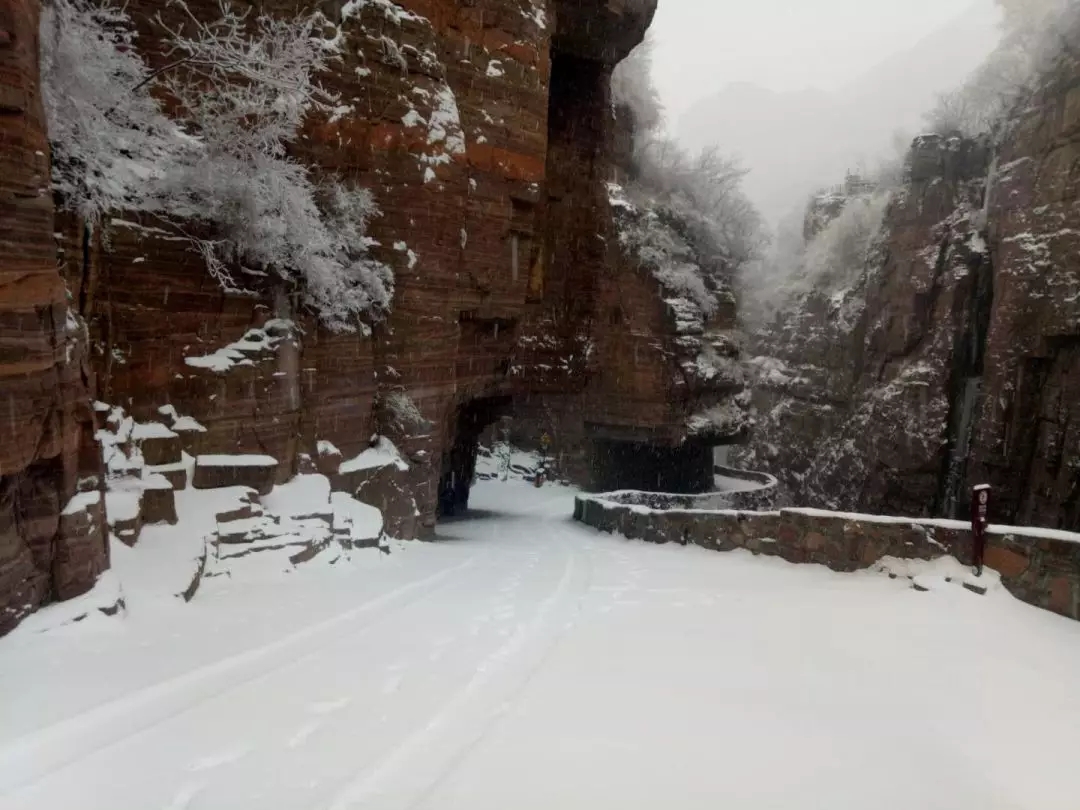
782,45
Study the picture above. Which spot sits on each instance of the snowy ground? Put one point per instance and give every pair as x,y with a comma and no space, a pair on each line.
725,483
528,662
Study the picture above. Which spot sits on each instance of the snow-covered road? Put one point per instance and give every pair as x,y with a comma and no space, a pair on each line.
529,662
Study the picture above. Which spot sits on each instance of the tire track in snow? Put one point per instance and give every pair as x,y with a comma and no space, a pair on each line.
394,781
34,756
514,698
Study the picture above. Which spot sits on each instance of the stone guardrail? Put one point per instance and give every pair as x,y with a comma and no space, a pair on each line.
1038,566
760,495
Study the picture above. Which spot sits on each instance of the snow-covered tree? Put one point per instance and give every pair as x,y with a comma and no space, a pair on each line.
1031,35
836,256
109,136
685,216
240,89
702,198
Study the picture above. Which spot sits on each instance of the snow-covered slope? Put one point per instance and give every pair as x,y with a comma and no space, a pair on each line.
528,662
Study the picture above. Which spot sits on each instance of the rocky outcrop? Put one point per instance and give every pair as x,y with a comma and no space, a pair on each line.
48,547
634,382
1026,436
952,360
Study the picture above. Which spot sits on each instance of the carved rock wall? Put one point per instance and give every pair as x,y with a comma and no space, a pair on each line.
451,206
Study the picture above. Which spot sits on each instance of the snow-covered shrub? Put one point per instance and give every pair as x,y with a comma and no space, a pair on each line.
403,415
646,232
688,221
241,89
1032,35
837,255
684,216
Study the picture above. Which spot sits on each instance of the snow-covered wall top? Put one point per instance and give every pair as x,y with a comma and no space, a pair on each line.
1039,566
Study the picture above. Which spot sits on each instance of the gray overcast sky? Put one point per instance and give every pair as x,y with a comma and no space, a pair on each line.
702,45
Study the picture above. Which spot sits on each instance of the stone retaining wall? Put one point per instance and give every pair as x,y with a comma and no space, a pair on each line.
1038,566
760,499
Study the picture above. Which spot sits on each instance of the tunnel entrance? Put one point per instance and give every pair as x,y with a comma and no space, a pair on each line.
459,462
685,470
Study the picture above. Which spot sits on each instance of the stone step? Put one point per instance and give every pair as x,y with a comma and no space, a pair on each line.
284,541
176,474
219,471
158,500
250,530
243,512
158,444
123,510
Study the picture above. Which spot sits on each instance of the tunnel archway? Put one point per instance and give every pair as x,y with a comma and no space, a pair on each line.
620,465
459,460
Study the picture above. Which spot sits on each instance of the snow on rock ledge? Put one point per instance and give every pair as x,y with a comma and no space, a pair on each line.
255,346
379,476
381,454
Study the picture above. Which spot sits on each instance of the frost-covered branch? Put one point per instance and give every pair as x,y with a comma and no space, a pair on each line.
1032,35
688,218
242,88
248,83
109,140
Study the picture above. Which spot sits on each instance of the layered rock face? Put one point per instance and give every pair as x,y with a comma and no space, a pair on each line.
49,546
1026,438
454,143
952,360
444,119
634,382
485,132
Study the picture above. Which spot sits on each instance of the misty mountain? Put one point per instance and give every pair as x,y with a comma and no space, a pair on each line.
796,142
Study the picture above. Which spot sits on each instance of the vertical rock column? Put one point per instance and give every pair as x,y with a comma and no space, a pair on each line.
44,406
556,358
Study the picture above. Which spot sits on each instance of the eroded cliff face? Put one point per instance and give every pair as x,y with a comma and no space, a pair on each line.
444,119
952,360
1026,438
634,382
46,551
485,132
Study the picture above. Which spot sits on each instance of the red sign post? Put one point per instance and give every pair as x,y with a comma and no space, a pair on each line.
980,510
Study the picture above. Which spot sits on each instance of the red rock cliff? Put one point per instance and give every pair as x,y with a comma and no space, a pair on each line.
46,409
953,360
488,152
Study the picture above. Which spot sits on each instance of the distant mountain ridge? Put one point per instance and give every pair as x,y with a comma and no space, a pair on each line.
795,142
